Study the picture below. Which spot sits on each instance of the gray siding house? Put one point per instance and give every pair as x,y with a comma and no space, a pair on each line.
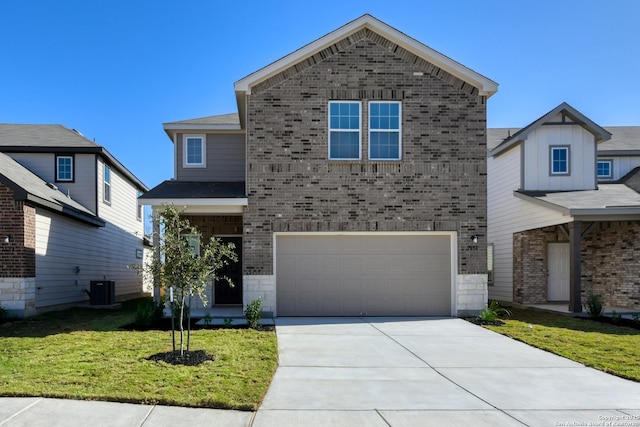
352,177
69,215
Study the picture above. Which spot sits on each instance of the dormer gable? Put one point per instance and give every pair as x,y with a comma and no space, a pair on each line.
557,151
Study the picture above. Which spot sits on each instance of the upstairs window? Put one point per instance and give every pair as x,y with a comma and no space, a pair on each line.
64,168
194,151
605,169
384,130
106,195
344,130
559,156
139,206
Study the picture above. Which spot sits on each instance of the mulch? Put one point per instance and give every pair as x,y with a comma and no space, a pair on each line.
188,358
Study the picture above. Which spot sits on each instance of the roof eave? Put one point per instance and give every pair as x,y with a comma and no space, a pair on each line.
485,86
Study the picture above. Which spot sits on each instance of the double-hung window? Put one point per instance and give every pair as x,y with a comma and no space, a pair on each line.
559,157
64,168
344,130
384,130
194,151
605,168
106,195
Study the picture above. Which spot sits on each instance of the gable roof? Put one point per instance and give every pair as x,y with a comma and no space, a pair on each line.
29,187
47,138
608,199
600,133
221,122
625,140
485,86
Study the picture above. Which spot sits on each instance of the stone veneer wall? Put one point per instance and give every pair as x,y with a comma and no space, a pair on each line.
439,185
610,267
18,296
471,294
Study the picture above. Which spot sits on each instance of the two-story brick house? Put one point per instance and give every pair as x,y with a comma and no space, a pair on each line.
353,177
563,212
69,215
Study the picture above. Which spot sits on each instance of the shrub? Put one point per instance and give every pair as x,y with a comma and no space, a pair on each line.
3,314
594,305
147,312
493,311
253,313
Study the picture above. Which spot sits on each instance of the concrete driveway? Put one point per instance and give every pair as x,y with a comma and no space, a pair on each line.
445,372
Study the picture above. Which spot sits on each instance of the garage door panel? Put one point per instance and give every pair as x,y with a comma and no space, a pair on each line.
354,274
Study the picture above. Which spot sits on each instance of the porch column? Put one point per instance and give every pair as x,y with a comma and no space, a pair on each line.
156,253
575,286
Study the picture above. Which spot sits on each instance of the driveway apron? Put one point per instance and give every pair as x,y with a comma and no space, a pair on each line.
431,371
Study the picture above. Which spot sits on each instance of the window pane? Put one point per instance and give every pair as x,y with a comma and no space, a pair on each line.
194,151
65,169
384,145
344,145
559,160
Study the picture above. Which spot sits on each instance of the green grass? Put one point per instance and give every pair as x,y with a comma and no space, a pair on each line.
82,354
609,348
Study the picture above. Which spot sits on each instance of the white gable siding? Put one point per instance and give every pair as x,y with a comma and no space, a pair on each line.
81,190
622,165
537,176
122,211
104,253
507,215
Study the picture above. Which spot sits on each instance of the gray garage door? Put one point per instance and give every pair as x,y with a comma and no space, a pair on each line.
353,275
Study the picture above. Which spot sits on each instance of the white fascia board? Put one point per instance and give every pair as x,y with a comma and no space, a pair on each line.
192,127
235,201
486,87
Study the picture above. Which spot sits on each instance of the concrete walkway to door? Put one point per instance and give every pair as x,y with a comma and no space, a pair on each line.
445,372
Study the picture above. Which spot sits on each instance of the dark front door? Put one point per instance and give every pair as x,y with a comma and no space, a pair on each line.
224,294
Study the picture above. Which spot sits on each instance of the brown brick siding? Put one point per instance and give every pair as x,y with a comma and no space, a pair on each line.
17,258
610,268
440,184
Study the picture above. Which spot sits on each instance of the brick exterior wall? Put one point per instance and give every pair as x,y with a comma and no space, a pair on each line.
439,185
18,257
609,263
216,225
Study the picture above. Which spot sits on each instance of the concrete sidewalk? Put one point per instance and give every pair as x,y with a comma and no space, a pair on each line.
386,372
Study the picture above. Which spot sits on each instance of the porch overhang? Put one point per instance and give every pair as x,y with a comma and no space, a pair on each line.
201,206
198,197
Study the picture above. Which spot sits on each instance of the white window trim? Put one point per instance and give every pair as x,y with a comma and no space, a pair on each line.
203,139
552,148
106,184
58,168
610,161
399,130
344,130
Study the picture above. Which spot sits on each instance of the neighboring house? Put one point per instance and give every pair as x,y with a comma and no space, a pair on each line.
563,212
69,215
353,177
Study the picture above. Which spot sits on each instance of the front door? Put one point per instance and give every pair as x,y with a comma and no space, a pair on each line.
224,294
558,271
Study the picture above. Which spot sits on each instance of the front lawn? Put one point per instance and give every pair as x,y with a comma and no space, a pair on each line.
83,354
609,348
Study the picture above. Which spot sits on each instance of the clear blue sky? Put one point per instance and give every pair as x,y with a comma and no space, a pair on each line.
116,70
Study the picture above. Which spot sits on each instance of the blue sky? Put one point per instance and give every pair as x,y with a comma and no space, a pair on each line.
116,70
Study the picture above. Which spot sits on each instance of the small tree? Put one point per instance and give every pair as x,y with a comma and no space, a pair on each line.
179,268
